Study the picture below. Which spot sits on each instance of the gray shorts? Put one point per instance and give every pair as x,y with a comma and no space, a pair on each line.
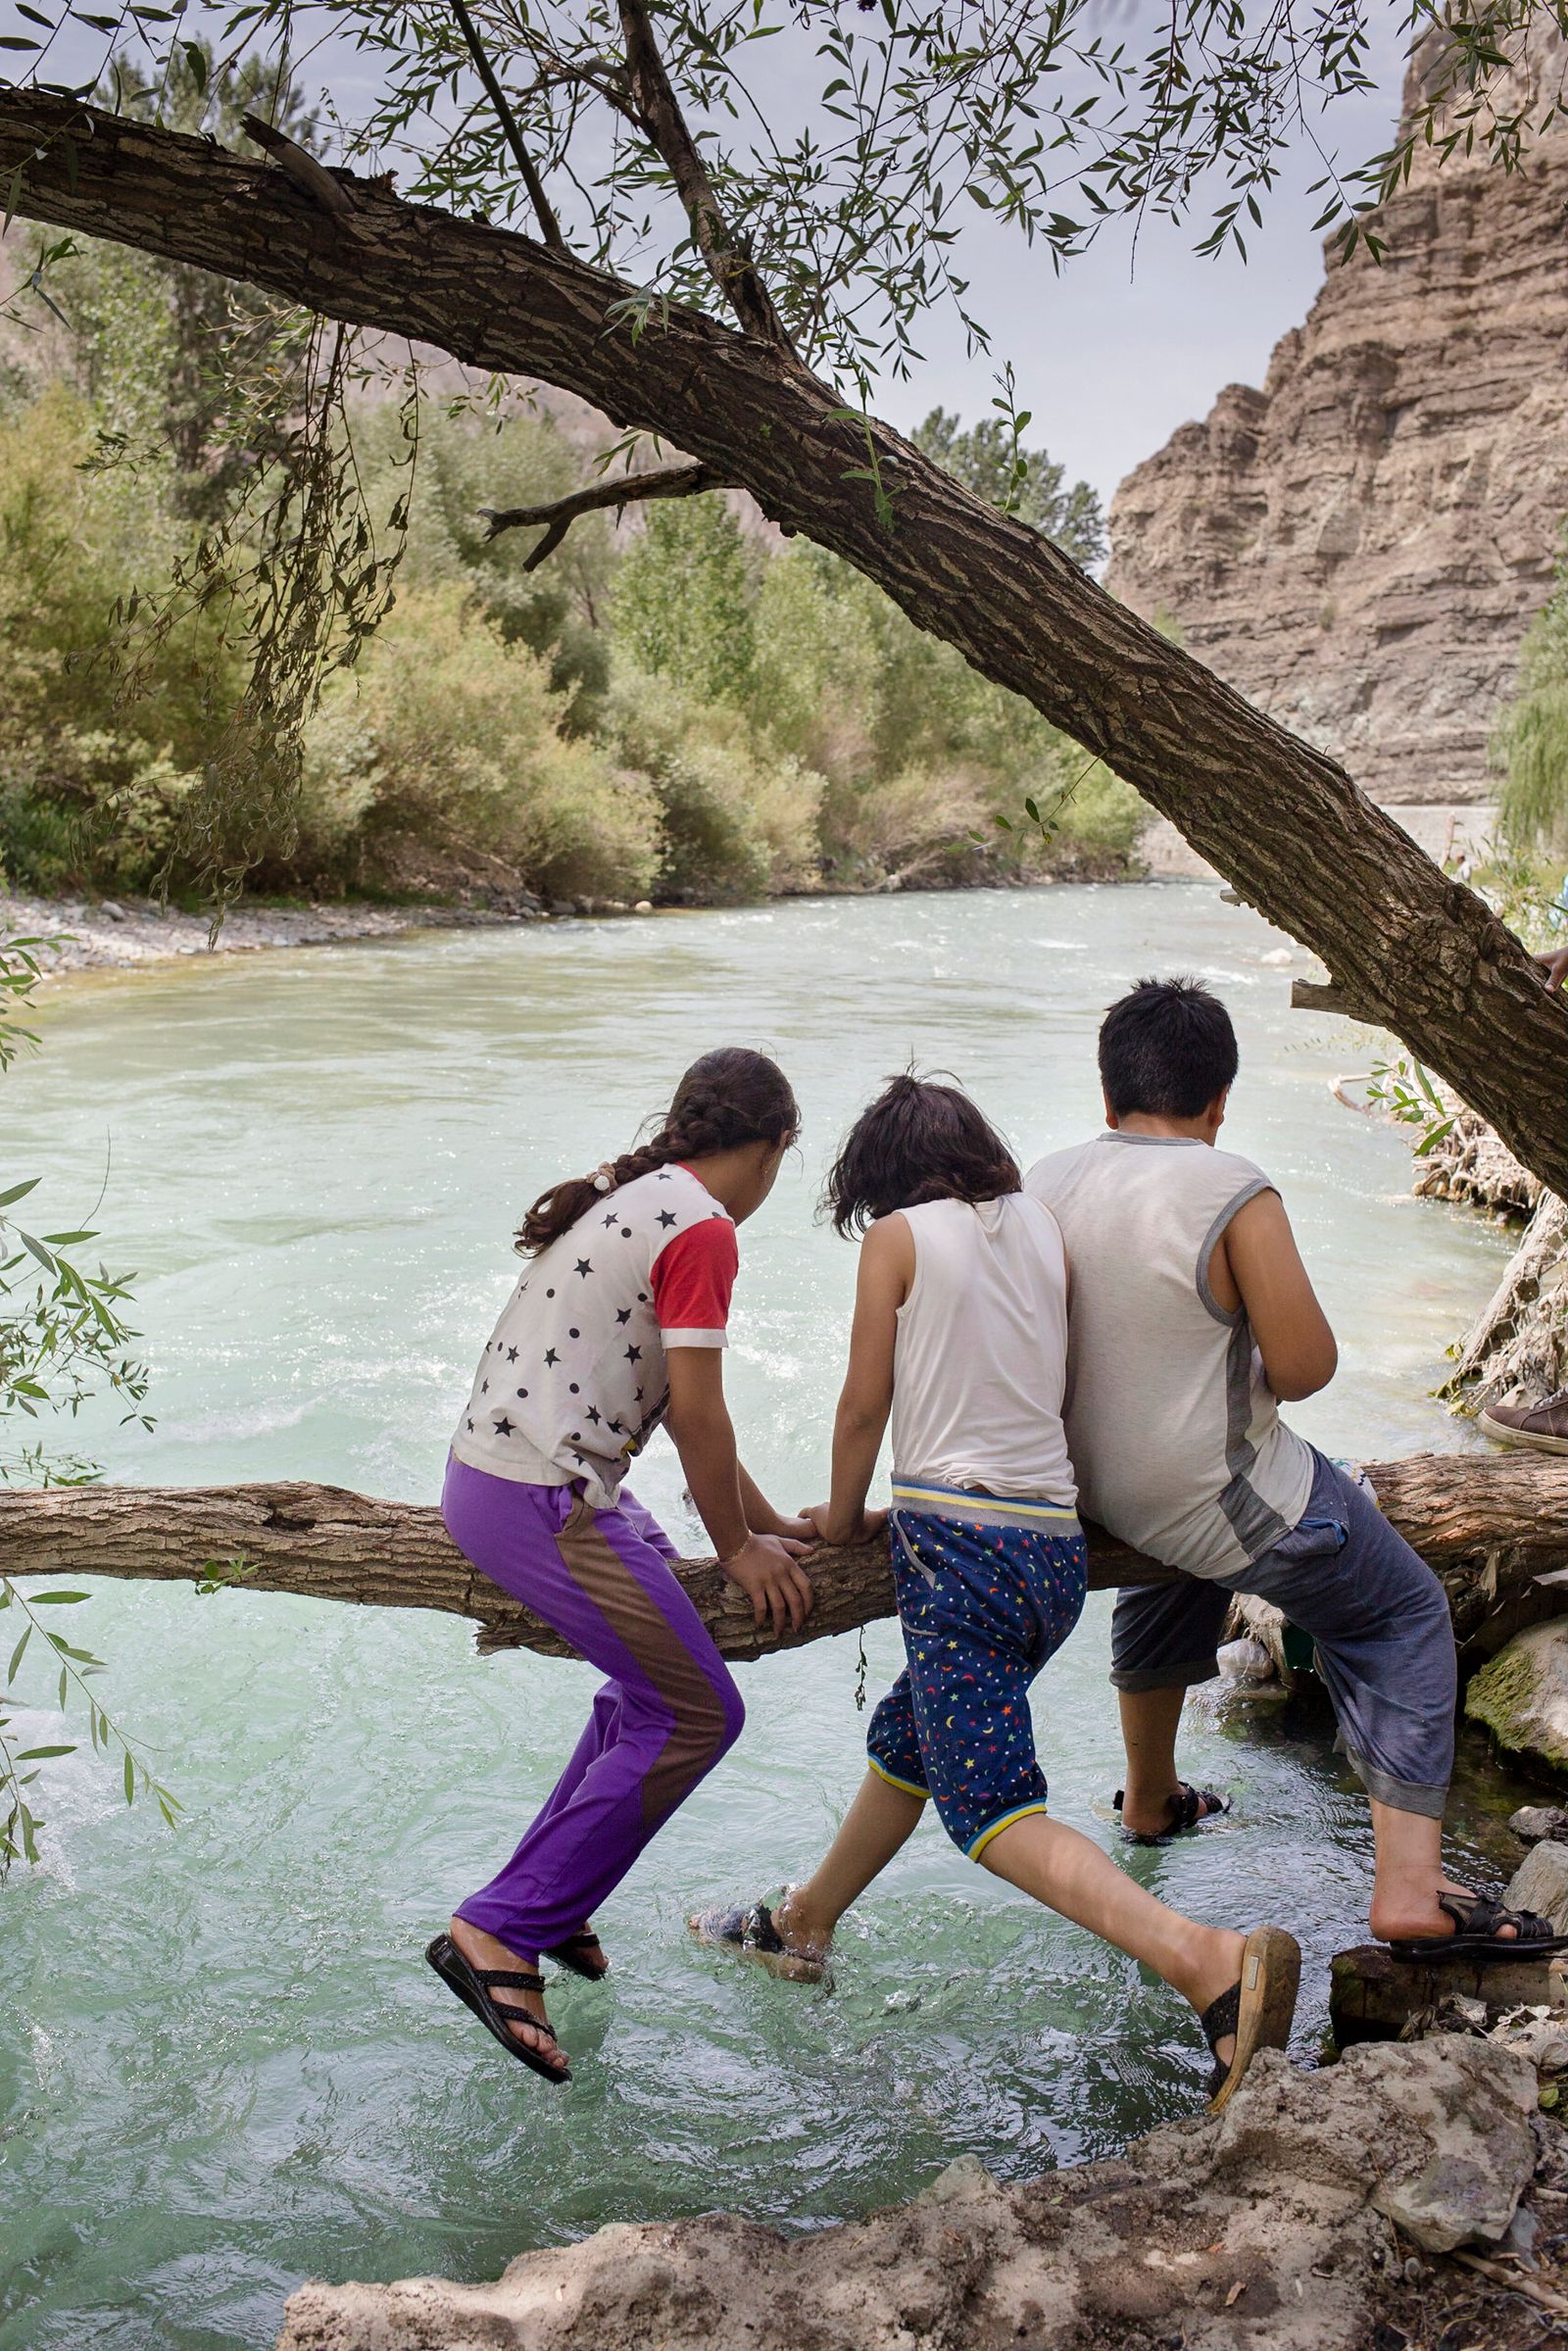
1371,1605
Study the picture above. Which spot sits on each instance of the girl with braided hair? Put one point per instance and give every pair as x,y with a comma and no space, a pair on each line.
617,1324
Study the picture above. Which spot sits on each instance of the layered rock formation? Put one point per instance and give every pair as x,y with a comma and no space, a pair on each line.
1360,545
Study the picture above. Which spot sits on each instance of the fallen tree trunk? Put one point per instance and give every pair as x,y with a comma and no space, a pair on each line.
1409,949
1489,1525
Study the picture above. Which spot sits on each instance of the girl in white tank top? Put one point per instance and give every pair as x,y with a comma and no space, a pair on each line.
961,1336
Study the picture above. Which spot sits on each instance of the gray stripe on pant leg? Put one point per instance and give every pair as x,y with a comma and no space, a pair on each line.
1256,1525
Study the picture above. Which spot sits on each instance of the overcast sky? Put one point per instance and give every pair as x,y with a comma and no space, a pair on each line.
1110,357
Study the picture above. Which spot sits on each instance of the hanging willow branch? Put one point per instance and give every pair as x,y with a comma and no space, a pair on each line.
559,514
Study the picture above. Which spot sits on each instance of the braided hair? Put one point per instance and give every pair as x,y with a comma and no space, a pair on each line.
728,1097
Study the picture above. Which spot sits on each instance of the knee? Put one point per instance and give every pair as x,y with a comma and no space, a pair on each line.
719,1721
732,1710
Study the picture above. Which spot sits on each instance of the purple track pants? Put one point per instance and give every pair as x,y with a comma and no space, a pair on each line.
668,1711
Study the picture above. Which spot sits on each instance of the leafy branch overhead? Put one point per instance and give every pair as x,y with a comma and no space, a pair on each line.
811,170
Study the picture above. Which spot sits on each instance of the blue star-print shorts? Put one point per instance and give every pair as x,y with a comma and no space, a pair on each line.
988,1589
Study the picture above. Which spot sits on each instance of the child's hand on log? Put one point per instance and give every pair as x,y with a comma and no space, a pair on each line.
767,1570
818,1516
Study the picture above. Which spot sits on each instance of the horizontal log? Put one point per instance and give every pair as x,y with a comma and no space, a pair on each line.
1489,1523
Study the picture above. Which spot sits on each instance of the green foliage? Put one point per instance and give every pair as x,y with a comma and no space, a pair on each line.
668,706
1531,740
682,603
989,458
63,1338
452,740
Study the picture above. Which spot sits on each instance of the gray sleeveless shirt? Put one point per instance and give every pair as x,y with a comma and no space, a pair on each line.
1174,1433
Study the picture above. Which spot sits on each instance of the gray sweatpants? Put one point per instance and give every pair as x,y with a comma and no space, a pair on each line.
1373,1608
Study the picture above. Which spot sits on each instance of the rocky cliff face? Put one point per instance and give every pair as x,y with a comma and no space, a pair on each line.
1359,547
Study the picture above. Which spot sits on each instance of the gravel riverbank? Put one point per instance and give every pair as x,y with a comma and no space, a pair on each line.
84,934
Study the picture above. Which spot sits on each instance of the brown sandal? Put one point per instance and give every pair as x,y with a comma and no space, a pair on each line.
1258,2009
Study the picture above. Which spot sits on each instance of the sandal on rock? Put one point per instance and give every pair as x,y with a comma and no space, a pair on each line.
1185,1808
473,1987
576,1953
1258,2009
1476,1921
752,1935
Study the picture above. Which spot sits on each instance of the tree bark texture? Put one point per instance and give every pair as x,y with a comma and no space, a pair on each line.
1489,1525
1408,948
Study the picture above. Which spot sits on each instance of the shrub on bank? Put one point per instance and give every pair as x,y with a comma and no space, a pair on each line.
449,740
672,708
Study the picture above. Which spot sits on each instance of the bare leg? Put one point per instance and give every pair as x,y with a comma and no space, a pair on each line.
482,1950
1150,1722
1409,1877
1070,1874
880,1822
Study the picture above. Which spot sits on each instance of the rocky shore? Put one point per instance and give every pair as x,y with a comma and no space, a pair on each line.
1415,2193
108,934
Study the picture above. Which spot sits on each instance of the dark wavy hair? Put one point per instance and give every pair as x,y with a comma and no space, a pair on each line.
918,1141
729,1097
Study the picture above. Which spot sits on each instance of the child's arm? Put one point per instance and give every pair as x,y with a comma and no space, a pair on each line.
699,1422
1258,1256
763,1519
887,1271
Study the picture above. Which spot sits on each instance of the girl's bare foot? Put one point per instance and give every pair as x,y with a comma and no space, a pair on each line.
485,1951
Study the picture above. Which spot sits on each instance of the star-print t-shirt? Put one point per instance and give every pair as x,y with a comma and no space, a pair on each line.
572,1381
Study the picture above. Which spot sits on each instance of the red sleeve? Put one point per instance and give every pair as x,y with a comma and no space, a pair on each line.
694,1275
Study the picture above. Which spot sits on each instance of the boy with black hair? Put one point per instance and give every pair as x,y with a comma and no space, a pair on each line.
1192,1318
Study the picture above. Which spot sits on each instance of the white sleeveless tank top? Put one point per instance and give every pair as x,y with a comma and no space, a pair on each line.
981,1355
1177,1439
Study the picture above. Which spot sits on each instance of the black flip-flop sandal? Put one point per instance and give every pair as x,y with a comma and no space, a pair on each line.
1186,1808
752,1935
1476,1921
473,1986
1258,2009
573,1954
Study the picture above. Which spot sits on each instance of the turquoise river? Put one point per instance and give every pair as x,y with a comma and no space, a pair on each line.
223,2066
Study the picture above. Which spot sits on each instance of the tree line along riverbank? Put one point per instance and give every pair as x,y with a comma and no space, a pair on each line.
681,706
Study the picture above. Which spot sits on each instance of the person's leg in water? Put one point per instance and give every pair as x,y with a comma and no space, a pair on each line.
980,1618
669,1713
1177,1626
1384,1637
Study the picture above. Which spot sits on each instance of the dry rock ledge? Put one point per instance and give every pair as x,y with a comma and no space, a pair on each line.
1298,2220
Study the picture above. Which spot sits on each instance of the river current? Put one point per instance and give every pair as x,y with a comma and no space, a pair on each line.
223,2065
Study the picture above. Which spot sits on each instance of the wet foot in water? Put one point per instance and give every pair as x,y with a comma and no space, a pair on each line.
483,1952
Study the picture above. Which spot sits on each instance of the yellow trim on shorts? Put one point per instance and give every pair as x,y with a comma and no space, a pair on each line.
953,1501
980,1843
907,1785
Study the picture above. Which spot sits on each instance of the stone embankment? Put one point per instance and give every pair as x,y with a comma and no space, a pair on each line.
1412,2188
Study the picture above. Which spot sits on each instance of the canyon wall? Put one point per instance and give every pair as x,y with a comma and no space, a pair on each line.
1360,545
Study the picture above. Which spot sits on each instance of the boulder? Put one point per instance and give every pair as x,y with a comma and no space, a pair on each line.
1521,1697
1269,2228
1540,1882
1531,1822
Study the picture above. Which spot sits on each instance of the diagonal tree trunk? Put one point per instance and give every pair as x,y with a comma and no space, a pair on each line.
1408,948
1489,1525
